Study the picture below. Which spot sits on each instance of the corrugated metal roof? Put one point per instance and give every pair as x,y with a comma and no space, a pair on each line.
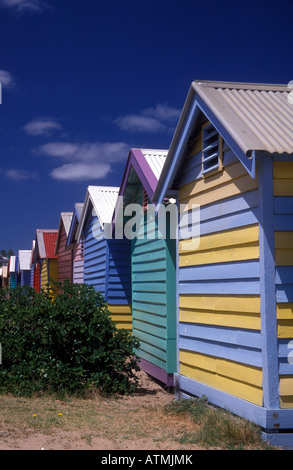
50,240
78,206
24,259
12,264
258,116
251,117
46,242
32,253
156,160
103,199
66,219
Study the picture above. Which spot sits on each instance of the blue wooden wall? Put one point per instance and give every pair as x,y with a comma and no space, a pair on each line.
25,277
219,329
107,267
95,256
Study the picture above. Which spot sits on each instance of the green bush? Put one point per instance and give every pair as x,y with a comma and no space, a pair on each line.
68,345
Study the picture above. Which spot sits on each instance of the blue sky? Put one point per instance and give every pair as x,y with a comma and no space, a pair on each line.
84,81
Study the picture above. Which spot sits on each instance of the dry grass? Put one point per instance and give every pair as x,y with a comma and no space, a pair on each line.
149,420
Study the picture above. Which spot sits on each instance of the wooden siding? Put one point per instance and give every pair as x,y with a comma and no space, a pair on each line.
49,273
64,257
32,275
219,337
44,275
78,262
95,256
121,316
154,298
37,277
283,225
13,280
25,277
119,272
107,268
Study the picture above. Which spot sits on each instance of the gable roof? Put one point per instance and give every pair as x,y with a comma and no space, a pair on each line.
65,221
24,257
32,253
12,264
250,117
78,206
148,165
102,199
46,240
4,259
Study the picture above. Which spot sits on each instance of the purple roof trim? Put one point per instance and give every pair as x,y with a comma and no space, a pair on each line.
137,160
149,181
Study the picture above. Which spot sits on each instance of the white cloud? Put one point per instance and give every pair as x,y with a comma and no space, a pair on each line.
64,150
6,79
41,126
84,161
136,123
81,171
24,5
163,112
15,174
158,119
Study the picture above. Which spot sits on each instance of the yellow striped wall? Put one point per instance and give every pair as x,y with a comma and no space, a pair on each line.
283,188
121,316
49,271
228,376
219,311
231,245
233,311
44,274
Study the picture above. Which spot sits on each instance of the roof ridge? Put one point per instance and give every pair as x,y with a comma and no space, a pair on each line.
242,85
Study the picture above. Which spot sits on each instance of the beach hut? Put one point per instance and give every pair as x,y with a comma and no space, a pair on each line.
13,271
106,259
231,160
32,263
4,264
46,271
35,265
24,267
4,277
62,251
153,267
77,248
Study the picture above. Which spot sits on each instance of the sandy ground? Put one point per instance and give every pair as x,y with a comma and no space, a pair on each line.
155,428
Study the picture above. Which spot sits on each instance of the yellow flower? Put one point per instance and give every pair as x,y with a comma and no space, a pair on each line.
59,414
34,416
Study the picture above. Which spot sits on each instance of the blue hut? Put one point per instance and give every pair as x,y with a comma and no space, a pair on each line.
231,158
106,259
24,267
